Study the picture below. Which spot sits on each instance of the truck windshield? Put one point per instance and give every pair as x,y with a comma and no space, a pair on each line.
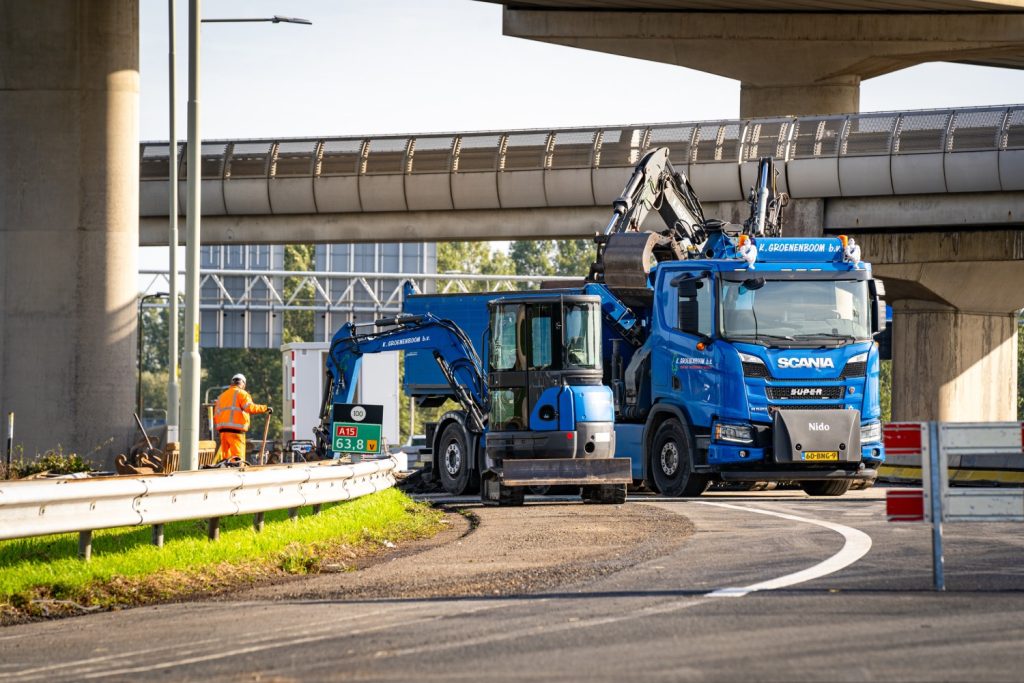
582,343
796,310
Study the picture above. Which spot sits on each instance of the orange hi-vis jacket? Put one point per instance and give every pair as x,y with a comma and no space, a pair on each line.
232,410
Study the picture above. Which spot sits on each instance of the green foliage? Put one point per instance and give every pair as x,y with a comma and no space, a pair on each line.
126,569
299,326
55,461
154,330
885,390
471,257
262,369
548,257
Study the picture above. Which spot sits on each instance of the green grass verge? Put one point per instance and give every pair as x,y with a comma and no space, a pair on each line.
43,576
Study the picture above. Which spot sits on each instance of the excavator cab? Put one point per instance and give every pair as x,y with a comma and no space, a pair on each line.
551,419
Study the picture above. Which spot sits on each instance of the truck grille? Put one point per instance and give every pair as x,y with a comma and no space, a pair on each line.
855,370
774,409
755,370
804,393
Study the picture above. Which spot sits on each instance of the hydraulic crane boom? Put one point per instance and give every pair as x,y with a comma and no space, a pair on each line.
626,253
458,360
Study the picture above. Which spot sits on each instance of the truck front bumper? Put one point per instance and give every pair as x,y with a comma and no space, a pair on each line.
794,474
565,471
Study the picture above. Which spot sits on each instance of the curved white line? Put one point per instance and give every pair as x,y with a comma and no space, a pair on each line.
856,546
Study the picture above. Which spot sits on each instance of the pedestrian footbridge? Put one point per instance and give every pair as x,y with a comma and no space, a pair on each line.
926,156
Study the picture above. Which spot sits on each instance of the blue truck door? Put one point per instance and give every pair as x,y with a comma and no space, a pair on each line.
683,368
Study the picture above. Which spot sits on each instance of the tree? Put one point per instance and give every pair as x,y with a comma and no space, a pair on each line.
547,257
299,326
473,258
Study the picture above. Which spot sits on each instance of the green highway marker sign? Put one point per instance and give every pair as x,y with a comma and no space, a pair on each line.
356,428
351,437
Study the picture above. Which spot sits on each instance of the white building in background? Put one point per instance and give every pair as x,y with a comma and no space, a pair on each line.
257,321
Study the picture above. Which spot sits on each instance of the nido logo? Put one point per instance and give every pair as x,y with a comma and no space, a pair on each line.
818,427
817,363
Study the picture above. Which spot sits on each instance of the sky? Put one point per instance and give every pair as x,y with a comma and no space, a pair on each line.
416,66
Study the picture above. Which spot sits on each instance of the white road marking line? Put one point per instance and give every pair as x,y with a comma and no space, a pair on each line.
279,643
856,546
259,637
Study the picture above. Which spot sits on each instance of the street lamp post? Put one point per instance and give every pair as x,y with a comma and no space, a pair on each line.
173,388
190,361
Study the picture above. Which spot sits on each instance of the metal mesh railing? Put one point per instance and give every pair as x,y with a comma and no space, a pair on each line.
806,137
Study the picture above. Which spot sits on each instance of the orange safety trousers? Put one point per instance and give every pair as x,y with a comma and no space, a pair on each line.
232,445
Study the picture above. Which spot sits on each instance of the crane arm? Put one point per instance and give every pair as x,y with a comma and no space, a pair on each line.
656,185
451,348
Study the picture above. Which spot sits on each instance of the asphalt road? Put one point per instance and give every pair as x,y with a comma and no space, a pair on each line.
767,586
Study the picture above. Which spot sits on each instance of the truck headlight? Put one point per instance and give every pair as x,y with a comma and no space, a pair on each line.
747,358
871,432
859,358
734,433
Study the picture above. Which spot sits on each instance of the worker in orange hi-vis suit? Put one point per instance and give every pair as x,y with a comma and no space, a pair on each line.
231,418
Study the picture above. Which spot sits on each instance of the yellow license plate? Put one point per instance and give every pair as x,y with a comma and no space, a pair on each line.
821,455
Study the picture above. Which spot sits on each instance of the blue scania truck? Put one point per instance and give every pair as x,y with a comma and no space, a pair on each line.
733,354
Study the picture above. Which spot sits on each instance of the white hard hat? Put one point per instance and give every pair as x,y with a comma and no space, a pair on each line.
238,378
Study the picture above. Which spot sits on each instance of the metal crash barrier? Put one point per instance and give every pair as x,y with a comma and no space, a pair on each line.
939,446
53,506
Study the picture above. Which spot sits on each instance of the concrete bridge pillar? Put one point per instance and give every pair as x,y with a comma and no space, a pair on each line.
69,92
951,365
955,298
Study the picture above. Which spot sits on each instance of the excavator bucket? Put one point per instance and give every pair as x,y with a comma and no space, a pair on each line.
628,258
571,471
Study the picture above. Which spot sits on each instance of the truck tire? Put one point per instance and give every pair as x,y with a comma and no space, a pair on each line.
453,461
670,460
836,487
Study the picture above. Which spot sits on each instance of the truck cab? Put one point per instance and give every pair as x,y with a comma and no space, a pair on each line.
762,368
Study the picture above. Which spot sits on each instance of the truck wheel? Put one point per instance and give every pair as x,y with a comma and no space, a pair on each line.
670,459
453,461
836,487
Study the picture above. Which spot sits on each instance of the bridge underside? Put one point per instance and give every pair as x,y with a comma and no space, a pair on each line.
788,60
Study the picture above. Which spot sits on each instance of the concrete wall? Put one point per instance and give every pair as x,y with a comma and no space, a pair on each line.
69,86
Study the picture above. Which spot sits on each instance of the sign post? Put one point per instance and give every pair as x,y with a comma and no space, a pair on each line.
356,429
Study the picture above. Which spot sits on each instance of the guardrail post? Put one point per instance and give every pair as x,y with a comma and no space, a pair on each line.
257,522
158,535
936,459
85,545
316,509
293,514
213,529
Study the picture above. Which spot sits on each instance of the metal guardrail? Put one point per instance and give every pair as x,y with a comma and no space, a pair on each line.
52,506
978,149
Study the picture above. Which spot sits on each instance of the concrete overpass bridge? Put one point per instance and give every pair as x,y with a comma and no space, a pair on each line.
936,198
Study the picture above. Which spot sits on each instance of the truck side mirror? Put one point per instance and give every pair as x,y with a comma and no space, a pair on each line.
689,307
688,288
877,290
